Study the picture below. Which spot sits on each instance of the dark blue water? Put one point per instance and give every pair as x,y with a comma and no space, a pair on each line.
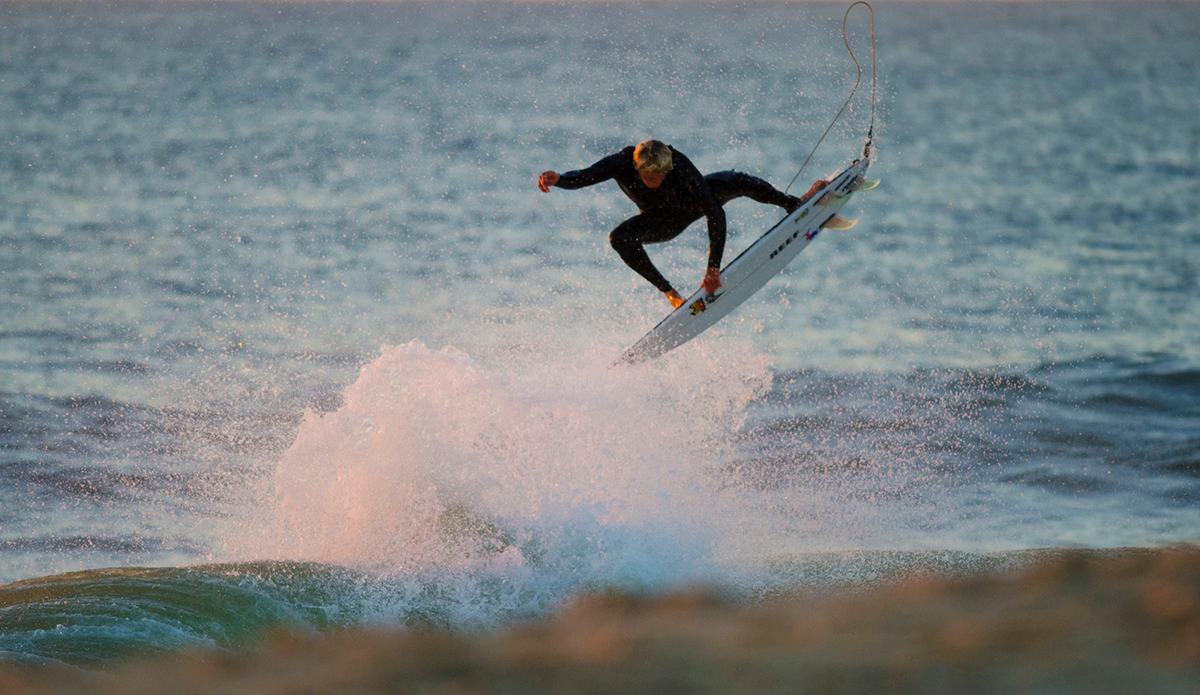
219,221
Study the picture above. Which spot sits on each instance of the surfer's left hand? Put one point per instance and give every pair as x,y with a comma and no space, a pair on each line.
712,280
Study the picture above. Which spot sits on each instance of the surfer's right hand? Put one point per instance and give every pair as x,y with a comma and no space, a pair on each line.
546,180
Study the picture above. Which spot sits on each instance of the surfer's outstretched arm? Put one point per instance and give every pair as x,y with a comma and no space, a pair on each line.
602,170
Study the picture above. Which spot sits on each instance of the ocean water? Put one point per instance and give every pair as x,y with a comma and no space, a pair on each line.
289,339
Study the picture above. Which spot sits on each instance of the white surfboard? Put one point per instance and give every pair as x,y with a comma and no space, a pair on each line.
762,261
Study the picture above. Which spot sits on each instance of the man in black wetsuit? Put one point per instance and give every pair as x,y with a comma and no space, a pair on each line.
671,194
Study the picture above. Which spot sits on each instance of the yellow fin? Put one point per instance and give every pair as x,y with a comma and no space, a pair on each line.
838,222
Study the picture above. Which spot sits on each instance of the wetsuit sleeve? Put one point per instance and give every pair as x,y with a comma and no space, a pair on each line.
602,170
712,210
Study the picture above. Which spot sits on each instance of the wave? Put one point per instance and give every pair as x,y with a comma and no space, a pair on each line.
97,618
575,471
445,492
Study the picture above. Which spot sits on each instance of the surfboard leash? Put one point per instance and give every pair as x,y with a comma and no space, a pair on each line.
857,81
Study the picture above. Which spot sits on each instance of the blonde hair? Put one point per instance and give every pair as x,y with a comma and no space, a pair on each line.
653,156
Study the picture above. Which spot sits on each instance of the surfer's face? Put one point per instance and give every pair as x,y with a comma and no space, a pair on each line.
652,179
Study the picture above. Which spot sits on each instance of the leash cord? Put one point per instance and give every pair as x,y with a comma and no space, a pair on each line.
857,80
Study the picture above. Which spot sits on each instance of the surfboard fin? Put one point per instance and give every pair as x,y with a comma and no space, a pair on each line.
838,222
865,185
831,199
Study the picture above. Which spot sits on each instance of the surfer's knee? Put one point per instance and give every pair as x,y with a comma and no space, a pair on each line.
620,239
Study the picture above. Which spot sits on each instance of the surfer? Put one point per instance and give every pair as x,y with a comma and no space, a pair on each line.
670,194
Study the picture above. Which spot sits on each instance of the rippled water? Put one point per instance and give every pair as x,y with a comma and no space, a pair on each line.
286,318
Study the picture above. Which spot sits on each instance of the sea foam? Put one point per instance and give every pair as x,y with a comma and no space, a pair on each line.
576,473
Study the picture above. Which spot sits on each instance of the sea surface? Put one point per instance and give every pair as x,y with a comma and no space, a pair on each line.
290,339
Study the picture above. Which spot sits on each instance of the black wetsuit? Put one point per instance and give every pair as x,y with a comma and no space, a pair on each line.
683,197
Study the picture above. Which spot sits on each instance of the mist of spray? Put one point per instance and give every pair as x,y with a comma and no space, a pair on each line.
579,474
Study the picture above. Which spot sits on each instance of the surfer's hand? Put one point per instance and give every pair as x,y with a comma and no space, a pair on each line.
546,180
712,280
